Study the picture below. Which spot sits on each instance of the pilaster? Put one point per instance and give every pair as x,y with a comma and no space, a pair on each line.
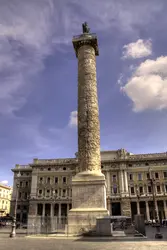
34,185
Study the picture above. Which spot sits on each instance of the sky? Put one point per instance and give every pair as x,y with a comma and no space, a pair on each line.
38,77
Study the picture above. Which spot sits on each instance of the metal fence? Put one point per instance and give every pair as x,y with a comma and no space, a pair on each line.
47,225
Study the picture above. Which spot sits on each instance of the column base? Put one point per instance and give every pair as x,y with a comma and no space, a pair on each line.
88,202
82,221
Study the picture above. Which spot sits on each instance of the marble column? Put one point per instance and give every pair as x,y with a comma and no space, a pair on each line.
121,181
165,208
156,207
43,211
138,207
59,210
89,184
51,208
147,211
109,205
126,181
108,180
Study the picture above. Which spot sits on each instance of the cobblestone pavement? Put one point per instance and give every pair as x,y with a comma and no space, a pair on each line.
71,244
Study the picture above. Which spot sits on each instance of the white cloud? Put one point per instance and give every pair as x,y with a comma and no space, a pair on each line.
73,122
25,40
147,88
138,49
5,182
30,29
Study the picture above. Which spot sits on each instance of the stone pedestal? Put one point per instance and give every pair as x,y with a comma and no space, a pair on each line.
139,224
88,202
103,227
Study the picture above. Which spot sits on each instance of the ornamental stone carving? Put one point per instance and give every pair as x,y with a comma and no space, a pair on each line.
88,112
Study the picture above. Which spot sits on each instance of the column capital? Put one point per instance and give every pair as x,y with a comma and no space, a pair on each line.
85,39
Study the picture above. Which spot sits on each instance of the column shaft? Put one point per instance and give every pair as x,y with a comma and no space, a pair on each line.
126,181
138,207
122,181
165,208
43,211
147,211
59,210
88,112
108,180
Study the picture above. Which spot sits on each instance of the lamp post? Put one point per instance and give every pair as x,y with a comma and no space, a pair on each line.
13,232
158,234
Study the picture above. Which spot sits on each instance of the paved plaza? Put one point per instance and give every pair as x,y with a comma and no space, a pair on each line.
21,242
150,232
71,244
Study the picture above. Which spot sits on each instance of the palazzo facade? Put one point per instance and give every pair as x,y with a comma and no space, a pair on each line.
133,180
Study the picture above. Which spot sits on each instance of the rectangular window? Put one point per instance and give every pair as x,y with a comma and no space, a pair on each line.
41,179
148,176
56,179
149,189
141,190
40,191
48,180
64,192
64,179
132,190
139,176
115,189
26,183
165,174
114,177
18,206
39,209
131,177
21,183
25,207
156,175
158,189
25,196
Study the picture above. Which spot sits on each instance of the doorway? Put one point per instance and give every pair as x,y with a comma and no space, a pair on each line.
116,208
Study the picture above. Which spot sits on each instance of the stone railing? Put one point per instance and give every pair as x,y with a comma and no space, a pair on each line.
148,156
22,166
55,161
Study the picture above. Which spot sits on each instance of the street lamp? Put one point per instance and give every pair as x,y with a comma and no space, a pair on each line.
158,234
13,232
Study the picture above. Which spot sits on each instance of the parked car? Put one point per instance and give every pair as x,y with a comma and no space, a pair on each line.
2,223
164,222
24,226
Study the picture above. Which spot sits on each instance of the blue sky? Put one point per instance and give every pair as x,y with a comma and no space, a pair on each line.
38,77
